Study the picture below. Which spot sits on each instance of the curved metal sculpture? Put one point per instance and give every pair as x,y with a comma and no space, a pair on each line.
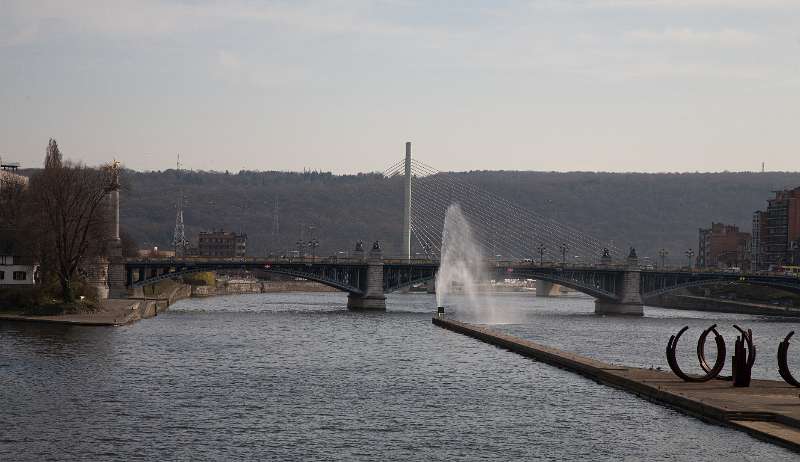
701,351
783,364
743,359
709,373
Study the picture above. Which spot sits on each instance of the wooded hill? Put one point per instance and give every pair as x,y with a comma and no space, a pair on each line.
647,211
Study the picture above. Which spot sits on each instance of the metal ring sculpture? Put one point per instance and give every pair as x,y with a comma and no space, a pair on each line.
710,374
743,360
783,364
701,351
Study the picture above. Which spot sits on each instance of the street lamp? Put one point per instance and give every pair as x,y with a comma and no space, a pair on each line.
689,255
663,254
313,244
541,254
563,254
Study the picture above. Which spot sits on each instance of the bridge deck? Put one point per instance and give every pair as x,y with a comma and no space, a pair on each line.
768,409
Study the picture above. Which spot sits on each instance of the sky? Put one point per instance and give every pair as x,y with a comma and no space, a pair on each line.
554,85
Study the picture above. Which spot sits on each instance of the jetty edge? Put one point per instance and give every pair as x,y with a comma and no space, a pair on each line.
768,410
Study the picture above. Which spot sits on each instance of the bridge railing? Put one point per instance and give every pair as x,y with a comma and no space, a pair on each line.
244,260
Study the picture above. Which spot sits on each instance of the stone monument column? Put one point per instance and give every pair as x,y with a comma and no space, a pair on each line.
116,263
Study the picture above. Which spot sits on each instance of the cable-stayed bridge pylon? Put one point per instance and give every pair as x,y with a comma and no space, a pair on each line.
505,230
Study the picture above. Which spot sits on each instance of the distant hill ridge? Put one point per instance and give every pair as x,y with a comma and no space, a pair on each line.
645,210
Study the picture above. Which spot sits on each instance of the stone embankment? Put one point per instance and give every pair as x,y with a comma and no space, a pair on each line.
114,312
768,409
258,287
140,305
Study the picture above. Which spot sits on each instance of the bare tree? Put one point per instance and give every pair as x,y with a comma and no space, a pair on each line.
70,215
53,158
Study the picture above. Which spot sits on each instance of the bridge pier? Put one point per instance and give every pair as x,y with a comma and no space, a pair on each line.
373,297
630,298
546,288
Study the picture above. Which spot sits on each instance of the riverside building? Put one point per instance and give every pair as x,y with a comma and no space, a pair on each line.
221,244
723,246
776,231
16,270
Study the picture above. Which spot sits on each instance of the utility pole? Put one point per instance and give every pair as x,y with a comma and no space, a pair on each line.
299,242
276,229
541,254
689,255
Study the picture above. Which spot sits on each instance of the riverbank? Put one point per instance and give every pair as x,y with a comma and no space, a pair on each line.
244,286
714,305
120,312
768,410
113,311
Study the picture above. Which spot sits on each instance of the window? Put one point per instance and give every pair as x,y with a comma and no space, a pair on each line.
20,275
2,275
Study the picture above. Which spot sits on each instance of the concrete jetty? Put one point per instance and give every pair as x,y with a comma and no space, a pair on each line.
768,409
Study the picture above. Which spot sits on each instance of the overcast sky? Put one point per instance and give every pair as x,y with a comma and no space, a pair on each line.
613,85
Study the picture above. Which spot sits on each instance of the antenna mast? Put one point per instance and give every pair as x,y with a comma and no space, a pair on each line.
179,241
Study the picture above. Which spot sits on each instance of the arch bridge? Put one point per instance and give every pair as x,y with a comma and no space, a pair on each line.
365,278
618,289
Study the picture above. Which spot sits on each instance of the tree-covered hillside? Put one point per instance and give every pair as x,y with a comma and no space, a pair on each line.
647,211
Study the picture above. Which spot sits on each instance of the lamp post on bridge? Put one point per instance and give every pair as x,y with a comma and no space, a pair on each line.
563,254
541,254
313,244
689,255
663,254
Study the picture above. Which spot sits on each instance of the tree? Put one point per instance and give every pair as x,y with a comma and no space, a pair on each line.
52,158
70,215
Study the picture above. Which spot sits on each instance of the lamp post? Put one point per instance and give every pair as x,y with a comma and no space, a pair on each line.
541,254
563,254
663,254
689,255
313,244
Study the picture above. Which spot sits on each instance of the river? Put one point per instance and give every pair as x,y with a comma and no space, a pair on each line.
296,376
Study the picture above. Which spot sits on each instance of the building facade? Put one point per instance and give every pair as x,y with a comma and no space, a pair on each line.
778,241
224,244
16,270
757,242
723,246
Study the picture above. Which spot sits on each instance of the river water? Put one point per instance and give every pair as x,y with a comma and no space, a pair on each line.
298,377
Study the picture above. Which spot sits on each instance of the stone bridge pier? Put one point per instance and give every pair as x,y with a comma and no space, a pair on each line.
546,288
373,297
630,298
